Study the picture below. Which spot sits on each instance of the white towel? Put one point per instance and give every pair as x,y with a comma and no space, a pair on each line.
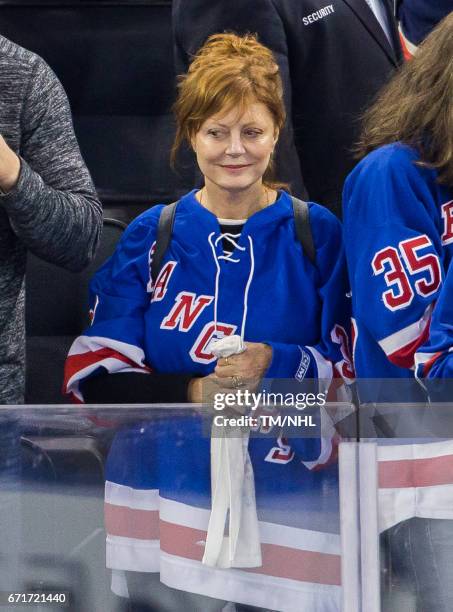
232,490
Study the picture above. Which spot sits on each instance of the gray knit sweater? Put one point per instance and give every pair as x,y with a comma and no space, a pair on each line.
53,210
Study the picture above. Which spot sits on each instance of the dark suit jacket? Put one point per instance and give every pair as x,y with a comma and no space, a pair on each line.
419,17
333,62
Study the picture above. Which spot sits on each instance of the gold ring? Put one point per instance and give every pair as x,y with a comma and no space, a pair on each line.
237,381
227,361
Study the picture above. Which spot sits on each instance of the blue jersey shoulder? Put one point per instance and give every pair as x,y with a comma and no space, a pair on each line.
325,228
140,233
388,160
146,221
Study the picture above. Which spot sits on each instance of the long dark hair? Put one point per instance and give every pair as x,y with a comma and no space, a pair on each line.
416,107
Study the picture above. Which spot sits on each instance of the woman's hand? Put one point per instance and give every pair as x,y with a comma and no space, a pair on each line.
202,390
245,369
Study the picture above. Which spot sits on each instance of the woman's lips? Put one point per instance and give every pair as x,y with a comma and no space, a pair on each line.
236,168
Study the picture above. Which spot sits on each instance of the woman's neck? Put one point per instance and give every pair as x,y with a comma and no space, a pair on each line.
227,204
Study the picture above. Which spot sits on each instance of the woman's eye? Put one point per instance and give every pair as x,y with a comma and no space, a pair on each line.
252,133
215,133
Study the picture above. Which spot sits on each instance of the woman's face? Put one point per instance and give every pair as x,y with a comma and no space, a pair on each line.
233,150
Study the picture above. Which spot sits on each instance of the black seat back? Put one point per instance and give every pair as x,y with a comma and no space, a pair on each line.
56,312
115,61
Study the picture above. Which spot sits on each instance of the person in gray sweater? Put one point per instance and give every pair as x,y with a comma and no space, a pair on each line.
47,199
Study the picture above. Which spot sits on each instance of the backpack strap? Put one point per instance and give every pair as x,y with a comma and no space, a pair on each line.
167,221
303,228
163,238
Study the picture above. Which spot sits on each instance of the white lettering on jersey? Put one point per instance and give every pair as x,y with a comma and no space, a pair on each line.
389,261
303,365
200,352
345,367
283,453
186,311
149,286
92,311
447,216
161,286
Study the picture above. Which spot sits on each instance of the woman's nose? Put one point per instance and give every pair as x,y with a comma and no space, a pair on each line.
235,145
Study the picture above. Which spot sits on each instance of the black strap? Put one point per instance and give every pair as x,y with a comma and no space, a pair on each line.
163,238
167,221
303,228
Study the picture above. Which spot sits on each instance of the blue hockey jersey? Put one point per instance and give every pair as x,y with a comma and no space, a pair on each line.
398,230
158,481
266,290
435,358
157,509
